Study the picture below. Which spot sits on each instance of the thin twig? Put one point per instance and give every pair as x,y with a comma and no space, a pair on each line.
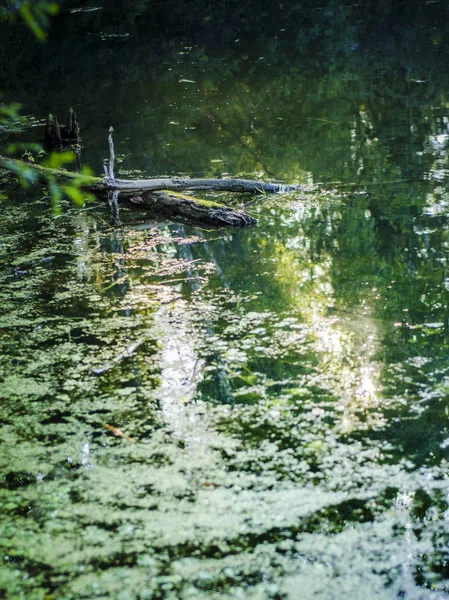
127,352
182,279
198,368
111,154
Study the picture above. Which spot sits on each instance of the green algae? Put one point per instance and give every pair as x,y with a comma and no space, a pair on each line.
285,390
259,463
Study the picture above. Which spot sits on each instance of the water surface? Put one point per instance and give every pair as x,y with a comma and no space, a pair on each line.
257,413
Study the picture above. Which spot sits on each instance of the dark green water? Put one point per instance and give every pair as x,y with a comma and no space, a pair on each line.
285,387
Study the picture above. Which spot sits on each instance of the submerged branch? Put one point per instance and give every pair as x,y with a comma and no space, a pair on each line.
194,209
153,194
126,353
152,191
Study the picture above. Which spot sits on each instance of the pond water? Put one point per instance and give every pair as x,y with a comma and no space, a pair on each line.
258,413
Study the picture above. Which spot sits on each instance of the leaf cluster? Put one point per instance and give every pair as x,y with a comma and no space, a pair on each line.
36,15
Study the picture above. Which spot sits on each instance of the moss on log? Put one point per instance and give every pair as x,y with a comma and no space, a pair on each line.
36,171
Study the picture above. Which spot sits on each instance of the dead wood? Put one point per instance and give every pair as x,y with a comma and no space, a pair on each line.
57,135
152,194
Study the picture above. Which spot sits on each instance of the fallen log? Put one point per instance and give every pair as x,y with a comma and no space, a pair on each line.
149,194
193,209
211,185
98,184
154,194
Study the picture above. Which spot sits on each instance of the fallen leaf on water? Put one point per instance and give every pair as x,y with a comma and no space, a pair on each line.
119,433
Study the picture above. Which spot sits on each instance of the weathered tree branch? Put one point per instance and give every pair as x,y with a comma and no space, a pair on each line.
148,192
96,184
213,185
153,194
110,168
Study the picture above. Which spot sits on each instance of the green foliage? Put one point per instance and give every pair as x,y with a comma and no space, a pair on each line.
27,175
36,14
55,160
9,113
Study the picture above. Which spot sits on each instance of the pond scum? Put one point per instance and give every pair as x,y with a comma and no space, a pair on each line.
174,426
